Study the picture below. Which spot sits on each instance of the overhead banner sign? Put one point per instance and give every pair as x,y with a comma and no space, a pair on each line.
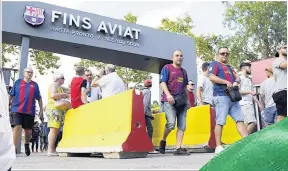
80,26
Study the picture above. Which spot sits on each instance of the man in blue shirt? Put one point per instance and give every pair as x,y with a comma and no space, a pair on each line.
24,94
223,76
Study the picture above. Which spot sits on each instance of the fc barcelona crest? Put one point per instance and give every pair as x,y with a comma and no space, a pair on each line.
34,16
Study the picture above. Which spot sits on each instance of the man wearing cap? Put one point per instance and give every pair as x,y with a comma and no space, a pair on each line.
110,83
269,113
279,68
147,106
248,96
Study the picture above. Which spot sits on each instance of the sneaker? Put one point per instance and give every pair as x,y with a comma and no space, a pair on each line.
27,150
50,154
162,147
219,149
181,152
154,152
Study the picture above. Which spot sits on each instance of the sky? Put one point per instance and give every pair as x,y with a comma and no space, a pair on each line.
207,18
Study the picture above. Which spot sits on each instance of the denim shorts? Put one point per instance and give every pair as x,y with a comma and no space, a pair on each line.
224,107
269,115
172,114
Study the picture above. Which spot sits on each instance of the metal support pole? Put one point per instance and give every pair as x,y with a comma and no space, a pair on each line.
23,64
257,112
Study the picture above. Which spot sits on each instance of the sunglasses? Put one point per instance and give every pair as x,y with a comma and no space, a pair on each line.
62,78
89,75
224,53
30,72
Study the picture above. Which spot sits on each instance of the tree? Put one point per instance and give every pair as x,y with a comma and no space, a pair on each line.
8,49
206,46
260,26
44,60
88,63
127,74
41,59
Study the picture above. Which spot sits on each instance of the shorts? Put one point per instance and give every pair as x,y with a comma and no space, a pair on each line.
224,107
280,99
249,114
55,118
26,120
269,115
172,114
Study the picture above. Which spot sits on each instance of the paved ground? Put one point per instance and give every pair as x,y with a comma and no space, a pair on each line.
153,161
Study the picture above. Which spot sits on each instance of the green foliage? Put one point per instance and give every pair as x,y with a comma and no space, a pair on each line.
8,49
127,74
44,60
181,25
130,18
260,26
206,46
88,63
41,59
131,75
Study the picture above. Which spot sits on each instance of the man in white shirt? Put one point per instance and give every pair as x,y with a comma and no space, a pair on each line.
204,90
248,96
110,83
93,93
269,114
7,148
279,68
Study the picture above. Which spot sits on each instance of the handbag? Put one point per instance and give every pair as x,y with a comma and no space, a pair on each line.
180,100
234,94
62,104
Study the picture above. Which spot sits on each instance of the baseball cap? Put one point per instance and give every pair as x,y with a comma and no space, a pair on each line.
148,83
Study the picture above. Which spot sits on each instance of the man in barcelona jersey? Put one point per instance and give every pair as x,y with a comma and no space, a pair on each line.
23,95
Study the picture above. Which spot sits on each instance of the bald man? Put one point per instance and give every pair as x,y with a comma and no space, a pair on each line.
110,83
23,95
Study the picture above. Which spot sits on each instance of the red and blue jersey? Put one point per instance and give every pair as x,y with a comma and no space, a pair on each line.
175,78
225,72
25,95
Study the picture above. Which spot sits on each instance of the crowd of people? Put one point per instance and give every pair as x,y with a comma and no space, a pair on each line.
219,86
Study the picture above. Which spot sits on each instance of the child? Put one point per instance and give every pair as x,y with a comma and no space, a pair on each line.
43,136
35,136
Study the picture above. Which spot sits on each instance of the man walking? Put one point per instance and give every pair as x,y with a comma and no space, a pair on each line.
23,96
269,113
147,106
204,90
248,96
175,101
279,68
223,76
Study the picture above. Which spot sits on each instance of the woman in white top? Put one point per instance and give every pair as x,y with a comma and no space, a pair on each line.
7,149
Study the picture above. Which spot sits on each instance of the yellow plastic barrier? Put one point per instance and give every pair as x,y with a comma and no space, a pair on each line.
115,124
198,129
